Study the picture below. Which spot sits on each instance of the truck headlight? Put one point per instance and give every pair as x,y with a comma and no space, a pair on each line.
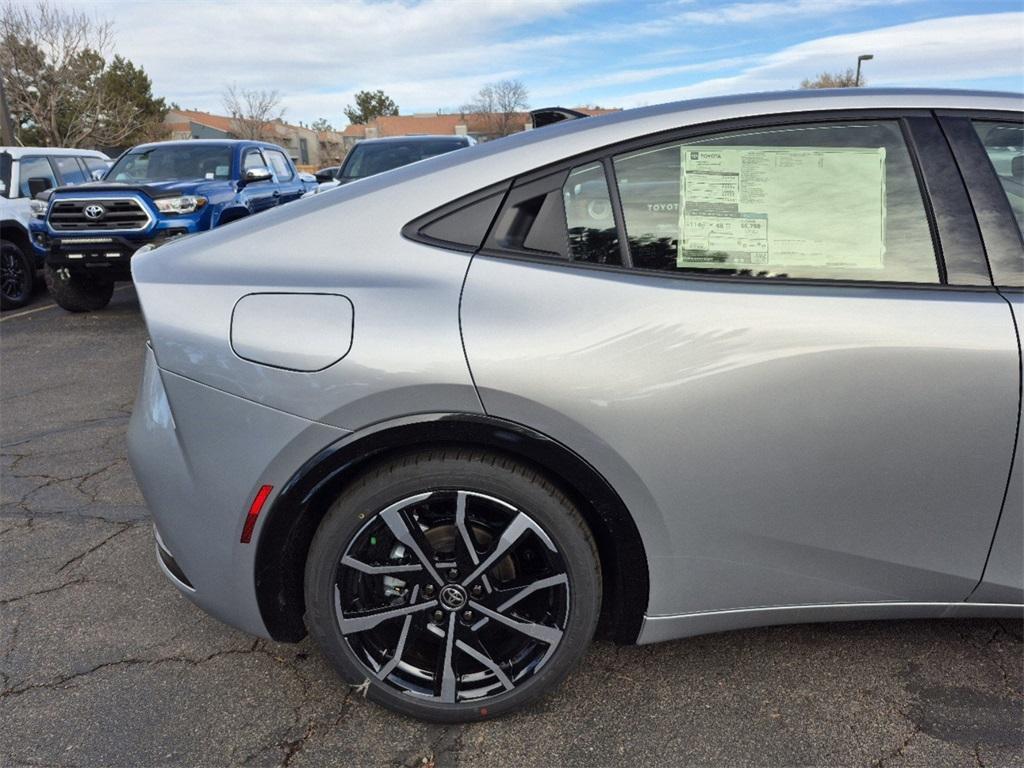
183,204
38,208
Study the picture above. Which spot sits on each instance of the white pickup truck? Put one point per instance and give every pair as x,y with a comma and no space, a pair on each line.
24,173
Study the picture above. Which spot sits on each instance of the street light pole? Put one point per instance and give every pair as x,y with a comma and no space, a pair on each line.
862,57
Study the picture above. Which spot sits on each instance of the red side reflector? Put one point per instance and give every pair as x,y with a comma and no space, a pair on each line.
254,512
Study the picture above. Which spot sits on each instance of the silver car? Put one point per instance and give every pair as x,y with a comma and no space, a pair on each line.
676,370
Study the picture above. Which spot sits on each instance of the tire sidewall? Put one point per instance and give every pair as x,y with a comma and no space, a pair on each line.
77,292
552,512
28,266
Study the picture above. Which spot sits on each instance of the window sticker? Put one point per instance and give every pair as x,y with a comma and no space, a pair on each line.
751,207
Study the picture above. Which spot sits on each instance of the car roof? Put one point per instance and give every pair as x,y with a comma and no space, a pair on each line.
527,150
18,152
446,177
206,143
413,139
680,114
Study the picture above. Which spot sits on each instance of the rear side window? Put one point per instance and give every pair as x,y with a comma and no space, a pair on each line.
1004,145
70,170
93,164
34,168
822,201
282,167
588,212
371,158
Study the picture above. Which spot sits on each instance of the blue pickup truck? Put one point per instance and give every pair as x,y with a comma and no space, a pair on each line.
153,193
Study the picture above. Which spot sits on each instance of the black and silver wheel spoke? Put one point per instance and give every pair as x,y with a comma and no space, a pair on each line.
542,632
381,570
404,532
452,595
467,538
447,671
396,657
486,662
363,620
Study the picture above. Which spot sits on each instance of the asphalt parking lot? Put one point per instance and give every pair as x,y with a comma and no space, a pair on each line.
103,663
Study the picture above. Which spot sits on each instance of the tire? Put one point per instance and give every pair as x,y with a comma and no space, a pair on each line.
75,292
17,276
516,652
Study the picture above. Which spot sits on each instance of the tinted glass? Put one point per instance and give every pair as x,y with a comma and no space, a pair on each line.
588,213
93,164
34,168
71,172
253,159
281,165
173,162
372,158
834,202
1004,144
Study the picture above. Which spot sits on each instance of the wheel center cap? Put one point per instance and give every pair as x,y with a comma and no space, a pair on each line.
452,597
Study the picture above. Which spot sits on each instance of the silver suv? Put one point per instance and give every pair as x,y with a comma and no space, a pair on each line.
677,370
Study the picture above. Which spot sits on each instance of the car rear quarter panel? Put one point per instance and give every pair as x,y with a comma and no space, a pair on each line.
406,352
200,477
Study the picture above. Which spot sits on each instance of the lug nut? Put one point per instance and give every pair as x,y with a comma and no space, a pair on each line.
453,574
467,615
429,590
477,590
438,616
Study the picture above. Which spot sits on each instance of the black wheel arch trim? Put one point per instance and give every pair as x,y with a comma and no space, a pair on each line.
291,521
15,232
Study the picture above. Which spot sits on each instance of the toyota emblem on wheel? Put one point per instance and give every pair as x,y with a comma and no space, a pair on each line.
453,597
94,211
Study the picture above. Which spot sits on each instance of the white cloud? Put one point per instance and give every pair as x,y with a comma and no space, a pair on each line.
926,53
319,53
437,53
744,13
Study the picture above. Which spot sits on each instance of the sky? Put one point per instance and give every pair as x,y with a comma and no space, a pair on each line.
436,54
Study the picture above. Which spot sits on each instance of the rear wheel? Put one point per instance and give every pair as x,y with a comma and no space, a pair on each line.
76,292
456,585
17,276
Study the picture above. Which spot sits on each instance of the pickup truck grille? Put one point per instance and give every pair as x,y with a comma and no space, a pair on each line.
123,214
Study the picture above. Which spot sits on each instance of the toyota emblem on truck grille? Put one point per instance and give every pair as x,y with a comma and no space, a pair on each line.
94,212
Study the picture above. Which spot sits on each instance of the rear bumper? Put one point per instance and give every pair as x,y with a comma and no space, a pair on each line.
199,456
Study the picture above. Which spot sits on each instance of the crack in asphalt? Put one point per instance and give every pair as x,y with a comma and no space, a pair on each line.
75,516
47,591
131,662
898,752
1018,636
310,725
90,550
447,745
77,426
23,523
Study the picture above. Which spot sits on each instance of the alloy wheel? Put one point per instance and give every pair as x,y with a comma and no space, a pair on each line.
452,596
15,279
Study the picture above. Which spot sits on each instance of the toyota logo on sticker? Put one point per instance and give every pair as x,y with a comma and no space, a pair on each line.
94,212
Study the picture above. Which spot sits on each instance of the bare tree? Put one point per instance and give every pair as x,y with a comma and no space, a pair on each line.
52,62
252,111
497,104
847,79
